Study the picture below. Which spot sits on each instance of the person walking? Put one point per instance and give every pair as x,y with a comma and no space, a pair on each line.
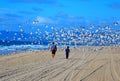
67,50
53,49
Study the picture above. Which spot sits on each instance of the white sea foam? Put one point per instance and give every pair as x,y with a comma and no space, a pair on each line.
15,48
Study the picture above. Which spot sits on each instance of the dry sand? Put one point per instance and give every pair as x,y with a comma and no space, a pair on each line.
84,64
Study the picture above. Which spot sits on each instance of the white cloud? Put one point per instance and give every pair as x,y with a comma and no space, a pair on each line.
42,20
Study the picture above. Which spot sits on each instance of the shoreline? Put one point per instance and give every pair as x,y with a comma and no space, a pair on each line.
10,52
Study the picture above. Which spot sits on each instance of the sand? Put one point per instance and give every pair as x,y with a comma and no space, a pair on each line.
84,64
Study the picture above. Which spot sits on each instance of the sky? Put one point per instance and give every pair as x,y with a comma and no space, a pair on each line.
57,12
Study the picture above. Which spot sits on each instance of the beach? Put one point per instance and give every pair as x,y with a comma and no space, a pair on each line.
84,64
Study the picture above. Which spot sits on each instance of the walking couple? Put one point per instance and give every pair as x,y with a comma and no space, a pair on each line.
54,49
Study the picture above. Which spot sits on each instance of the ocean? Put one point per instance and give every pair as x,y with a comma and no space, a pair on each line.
4,50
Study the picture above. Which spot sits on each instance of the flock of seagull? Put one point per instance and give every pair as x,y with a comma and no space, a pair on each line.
92,35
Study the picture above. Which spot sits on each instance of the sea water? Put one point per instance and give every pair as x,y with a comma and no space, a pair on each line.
17,48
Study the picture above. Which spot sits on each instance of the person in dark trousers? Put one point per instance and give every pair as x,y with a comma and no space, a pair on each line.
67,50
53,49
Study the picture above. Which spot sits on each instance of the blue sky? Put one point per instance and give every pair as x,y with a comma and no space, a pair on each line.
57,11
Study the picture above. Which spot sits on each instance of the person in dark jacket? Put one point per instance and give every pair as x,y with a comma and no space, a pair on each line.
67,50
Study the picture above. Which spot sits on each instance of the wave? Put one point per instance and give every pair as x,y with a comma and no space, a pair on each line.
15,48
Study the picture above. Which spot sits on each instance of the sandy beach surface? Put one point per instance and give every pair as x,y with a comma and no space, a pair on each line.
84,64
